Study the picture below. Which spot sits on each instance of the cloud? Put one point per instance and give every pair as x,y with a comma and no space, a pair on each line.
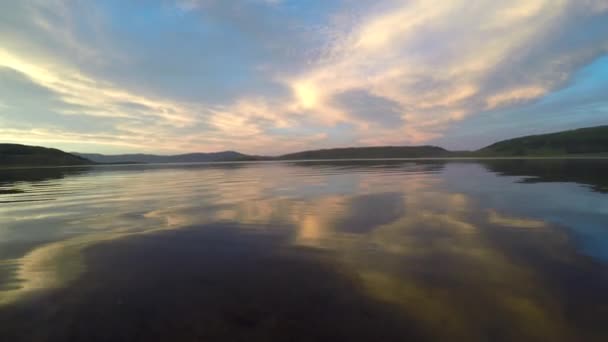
442,62
257,74
513,95
369,108
582,103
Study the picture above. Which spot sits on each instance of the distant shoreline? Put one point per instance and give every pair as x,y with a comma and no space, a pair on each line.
279,161
583,143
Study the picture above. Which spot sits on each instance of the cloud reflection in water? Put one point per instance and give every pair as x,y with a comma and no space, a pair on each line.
460,260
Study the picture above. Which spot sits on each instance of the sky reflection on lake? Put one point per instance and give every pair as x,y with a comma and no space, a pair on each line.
499,250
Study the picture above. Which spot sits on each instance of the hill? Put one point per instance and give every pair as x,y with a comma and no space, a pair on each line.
12,155
158,159
371,153
593,140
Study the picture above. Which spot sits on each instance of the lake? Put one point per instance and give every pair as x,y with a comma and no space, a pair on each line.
493,250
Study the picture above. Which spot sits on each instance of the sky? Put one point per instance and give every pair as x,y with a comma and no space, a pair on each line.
276,76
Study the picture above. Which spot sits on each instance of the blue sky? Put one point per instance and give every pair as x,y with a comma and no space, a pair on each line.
274,76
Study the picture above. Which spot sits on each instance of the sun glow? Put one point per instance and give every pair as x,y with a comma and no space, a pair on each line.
307,94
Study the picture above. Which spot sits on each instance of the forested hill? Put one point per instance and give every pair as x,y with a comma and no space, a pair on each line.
160,159
593,140
371,153
580,142
21,155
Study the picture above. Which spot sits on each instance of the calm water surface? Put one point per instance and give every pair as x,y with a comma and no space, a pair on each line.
505,250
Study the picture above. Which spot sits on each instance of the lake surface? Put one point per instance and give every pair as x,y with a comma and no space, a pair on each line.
502,250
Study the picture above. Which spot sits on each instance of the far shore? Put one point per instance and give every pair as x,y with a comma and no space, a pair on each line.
565,157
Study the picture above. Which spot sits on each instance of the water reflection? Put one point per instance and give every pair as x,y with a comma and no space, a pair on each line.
17,181
590,172
425,250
